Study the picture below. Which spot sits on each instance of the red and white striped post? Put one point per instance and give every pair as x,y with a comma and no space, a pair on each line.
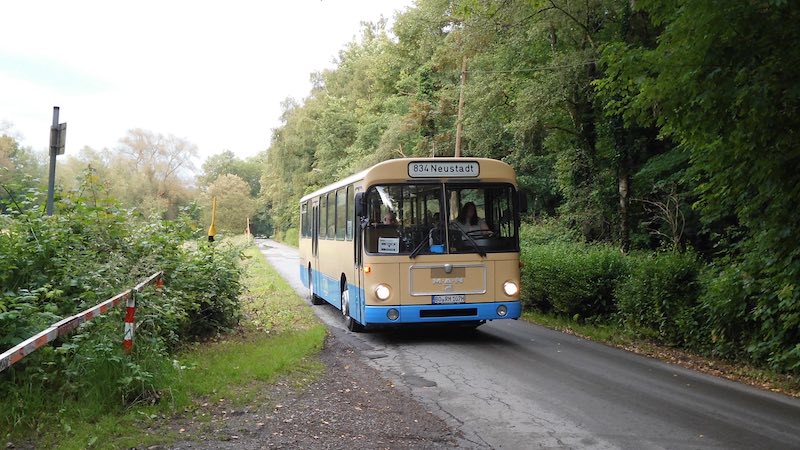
130,312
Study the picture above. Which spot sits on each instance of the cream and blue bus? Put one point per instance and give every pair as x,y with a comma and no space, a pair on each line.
415,240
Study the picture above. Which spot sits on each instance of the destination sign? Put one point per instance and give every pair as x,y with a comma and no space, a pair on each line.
443,169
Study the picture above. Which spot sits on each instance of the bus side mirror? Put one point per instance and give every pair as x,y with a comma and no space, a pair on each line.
361,204
523,202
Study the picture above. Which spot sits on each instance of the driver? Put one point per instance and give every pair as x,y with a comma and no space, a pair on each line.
468,221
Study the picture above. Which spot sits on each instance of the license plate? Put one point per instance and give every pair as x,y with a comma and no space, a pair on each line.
448,299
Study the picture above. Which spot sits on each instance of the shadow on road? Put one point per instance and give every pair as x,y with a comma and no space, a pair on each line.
425,333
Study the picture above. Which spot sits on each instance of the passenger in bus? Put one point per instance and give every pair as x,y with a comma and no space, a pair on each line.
390,218
469,223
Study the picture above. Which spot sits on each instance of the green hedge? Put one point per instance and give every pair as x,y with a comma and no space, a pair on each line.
670,297
572,279
740,316
659,295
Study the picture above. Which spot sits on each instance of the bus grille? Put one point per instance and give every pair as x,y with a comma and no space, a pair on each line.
457,312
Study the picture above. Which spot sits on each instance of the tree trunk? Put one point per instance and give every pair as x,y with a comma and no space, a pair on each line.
624,201
624,144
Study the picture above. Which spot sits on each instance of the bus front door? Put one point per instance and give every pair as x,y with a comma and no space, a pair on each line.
315,279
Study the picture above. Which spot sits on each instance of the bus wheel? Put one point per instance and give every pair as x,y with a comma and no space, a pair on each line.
315,299
349,322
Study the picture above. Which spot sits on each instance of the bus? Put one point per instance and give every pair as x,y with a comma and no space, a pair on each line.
415,240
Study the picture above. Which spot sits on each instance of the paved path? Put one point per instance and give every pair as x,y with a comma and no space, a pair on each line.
513,384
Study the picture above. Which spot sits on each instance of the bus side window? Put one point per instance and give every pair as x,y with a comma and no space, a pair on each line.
323,216
341,213
304,232
351,212
331,215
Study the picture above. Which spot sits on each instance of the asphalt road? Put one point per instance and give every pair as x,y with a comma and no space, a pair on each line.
512,384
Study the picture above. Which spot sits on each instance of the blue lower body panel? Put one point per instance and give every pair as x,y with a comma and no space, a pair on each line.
328,289
463,312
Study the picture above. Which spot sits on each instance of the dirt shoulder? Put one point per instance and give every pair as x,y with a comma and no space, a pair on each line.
350,405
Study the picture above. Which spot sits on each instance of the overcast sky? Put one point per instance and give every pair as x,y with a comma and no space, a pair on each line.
211,72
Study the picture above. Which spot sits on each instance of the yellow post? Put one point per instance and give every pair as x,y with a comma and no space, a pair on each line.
212,230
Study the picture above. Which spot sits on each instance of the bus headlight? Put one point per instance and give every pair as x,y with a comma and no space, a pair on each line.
510,288
382,292
502,310
392,314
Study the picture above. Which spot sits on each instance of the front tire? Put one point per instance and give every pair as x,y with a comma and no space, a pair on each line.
350,323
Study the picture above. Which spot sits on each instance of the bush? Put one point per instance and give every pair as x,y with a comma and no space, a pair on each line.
205,285
724,315
747,308
745,317
659,294
572,278
53,267
546,231
291,237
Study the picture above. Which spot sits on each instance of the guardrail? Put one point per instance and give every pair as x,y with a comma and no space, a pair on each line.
64,326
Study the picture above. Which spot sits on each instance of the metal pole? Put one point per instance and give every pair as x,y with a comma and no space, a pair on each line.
460,120
51,183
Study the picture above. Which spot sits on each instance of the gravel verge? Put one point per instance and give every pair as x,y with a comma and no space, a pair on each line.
351,405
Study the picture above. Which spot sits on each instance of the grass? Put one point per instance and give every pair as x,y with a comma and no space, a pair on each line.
279,337
618,336
609,333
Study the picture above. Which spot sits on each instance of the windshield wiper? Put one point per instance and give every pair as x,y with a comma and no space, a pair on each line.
417,249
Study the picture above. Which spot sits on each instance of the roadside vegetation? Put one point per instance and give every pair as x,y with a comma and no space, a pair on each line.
222,323
288,237
664,304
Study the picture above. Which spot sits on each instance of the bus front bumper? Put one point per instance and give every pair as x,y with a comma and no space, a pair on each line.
463,312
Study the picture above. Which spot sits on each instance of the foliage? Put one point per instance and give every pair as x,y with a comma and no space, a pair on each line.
149,171
733,322
572,279
52,267
20,167
545,231
291,237
227,163
233,368
659,294
722,83
234,204
669,297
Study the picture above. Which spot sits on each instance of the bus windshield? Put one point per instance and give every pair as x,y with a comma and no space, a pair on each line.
412,219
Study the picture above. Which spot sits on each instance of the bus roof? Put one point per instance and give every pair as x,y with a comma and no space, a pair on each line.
343,182
398,170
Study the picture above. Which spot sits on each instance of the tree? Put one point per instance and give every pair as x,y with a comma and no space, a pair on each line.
226,162
234,204
160,167
20,167
723,84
